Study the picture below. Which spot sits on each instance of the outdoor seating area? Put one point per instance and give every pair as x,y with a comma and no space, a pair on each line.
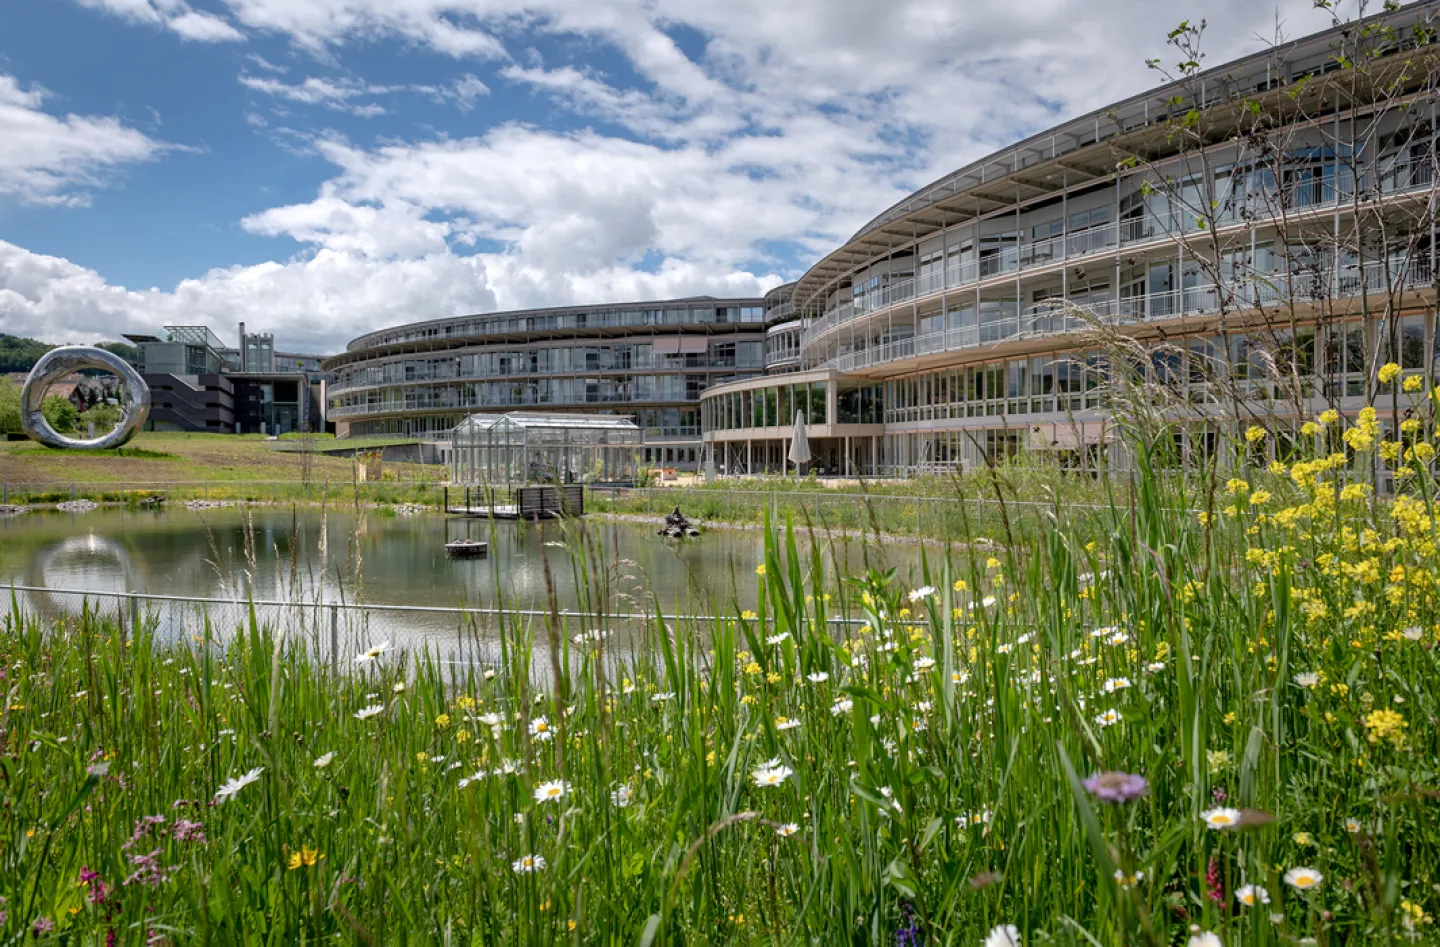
522,448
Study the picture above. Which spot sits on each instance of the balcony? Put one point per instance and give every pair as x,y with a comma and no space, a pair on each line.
1309,197
1057,318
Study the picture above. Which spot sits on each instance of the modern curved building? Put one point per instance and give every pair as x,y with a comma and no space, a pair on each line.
1250,241
1276,211
648,360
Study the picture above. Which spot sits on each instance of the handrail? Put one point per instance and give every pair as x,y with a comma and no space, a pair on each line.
1399,178
381,606
1044,319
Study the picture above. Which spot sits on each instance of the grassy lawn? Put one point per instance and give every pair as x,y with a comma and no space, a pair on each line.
1143,726
156,457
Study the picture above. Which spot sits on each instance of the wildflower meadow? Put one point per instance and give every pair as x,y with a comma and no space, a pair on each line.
1202,714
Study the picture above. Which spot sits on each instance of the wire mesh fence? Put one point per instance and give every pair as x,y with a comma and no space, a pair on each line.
340,633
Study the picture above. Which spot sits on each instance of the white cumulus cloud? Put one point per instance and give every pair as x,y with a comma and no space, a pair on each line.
176,16
57,159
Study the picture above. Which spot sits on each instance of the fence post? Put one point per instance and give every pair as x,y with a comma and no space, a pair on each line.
4,493
72,491
134,613
334,639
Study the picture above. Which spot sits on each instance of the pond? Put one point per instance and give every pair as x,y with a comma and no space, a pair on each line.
269,553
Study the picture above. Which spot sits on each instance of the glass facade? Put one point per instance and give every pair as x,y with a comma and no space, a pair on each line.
649,361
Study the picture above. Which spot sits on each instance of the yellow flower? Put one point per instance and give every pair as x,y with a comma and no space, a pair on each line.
305,858
748,615
1413,383
462,736
1388,372
1309,429
1254,433
442,721
760,570
1329,416
1385,725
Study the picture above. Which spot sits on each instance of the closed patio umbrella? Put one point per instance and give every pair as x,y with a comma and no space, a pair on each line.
799,443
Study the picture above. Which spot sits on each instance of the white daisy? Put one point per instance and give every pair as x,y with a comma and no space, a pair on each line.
1126,882
1413,633
492,720
778,639
1307,679
842,706
1221,818
1108,718
786,723
817,677
925,591
365,713
1003,935
555,789
528,864
662,697
924,664
620,797
787,830
1204,939
1251,895
540,729
771,775
1116,684
373,654
323,761
231,787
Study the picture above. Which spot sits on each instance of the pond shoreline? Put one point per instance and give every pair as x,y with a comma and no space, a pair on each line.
416,509
648,520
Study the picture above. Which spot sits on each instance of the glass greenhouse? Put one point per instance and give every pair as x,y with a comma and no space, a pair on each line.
523,448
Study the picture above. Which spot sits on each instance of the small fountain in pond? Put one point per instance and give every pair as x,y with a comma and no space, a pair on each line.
677,526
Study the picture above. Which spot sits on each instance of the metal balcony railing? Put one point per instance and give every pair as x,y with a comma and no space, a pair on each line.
1053,318
1308,196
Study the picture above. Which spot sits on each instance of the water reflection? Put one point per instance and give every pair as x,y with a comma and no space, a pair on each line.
313,558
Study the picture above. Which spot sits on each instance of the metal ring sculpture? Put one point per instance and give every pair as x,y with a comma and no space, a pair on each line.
55,365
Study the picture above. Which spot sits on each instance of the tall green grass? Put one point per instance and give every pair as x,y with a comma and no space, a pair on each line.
929,749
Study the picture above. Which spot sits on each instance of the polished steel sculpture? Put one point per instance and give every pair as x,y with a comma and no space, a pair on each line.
55,365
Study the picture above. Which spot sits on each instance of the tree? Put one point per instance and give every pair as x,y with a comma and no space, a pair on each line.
103,416
9,408
20,355
60,413
130,353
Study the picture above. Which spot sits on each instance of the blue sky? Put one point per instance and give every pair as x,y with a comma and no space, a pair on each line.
319,168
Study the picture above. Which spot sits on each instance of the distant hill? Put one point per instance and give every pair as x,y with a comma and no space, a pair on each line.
20,355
